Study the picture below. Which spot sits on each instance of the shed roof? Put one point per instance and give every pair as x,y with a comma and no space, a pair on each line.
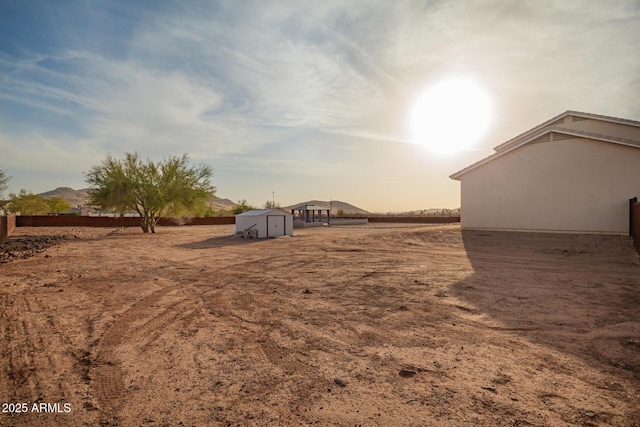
268,212
549,127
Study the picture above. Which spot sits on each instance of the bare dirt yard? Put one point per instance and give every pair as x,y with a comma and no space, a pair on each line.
379,325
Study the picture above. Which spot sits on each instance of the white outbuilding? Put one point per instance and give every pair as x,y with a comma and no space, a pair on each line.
573,173
266,222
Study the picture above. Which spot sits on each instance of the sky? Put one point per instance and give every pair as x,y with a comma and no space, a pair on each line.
297,100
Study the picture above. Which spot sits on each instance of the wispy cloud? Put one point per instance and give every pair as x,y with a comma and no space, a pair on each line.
226,81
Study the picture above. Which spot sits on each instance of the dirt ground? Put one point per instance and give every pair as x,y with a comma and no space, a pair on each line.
379,325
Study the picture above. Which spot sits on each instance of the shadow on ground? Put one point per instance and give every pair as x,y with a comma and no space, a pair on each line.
579,294
226,241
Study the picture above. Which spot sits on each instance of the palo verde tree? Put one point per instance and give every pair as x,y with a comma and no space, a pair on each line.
152,189
57,204
27,203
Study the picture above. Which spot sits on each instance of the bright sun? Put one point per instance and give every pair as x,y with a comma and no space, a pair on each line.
451,116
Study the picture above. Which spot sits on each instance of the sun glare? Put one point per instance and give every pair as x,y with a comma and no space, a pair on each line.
451,116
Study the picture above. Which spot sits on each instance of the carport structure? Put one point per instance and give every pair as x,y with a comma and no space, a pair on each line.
311,213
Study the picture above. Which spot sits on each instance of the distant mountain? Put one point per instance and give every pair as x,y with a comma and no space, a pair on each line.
220,204
73,197
335,206
81,198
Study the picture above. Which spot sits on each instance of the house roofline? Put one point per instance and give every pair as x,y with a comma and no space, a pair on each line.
542,132
561,116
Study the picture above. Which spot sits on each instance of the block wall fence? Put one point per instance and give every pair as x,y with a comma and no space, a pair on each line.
7,225
108,221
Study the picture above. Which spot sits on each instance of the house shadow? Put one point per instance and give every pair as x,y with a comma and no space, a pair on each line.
228,241
577,294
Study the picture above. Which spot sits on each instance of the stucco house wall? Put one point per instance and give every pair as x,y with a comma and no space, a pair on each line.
575,184
556,182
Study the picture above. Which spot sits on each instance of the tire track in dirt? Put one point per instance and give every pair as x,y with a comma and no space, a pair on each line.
147,333
20,349
278,368
302,379
280,348
31,366
108,377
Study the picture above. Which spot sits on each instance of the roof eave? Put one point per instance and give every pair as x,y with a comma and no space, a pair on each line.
548,129
561,116
531,131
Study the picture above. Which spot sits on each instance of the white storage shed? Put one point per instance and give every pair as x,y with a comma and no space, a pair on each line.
267,222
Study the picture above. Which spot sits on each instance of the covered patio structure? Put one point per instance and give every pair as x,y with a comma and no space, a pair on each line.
310,215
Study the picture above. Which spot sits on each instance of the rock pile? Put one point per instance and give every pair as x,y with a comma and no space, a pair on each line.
26,247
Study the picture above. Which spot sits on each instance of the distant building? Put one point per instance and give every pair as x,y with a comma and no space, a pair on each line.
573,173
306,215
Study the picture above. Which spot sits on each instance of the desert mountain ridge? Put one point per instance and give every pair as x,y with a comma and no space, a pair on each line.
73,197
81,198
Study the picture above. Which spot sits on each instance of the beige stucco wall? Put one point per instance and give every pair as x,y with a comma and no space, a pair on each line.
572,185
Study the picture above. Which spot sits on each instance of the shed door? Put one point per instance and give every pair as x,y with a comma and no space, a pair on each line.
275,226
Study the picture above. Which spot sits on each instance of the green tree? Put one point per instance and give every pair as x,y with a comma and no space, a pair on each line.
269,204
200,209
57,204
27,203
152,189
242,206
